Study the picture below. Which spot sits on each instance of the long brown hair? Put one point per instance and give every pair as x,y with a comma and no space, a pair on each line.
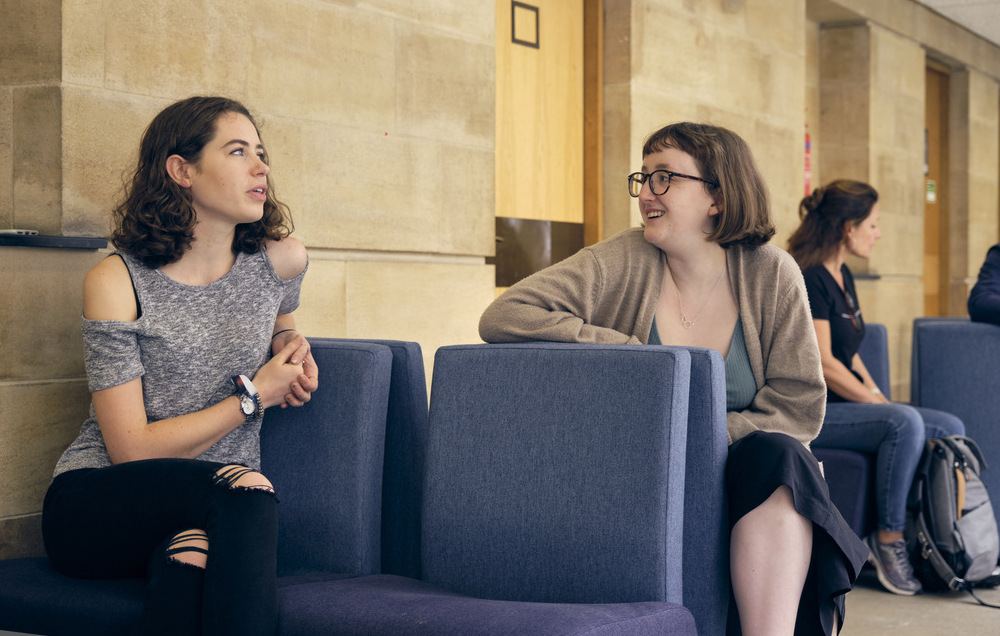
155,220
725,159
825,214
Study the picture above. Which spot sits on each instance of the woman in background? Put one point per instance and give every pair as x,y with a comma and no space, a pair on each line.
840,219
984,299
699,273
189,336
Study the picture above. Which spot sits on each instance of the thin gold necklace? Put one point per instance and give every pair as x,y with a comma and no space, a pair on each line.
685,322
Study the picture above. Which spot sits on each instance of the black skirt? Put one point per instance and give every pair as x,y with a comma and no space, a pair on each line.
757,465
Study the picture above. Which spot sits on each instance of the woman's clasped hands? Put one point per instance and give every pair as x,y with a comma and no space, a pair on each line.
290,376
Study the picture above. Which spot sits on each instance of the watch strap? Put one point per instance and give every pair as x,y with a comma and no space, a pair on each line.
246,387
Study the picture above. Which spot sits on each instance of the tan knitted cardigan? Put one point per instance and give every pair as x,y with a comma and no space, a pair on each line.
608,294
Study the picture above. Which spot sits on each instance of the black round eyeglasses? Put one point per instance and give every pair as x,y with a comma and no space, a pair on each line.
659,181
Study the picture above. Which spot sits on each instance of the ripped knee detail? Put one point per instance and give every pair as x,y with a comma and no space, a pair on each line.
236,477
188,548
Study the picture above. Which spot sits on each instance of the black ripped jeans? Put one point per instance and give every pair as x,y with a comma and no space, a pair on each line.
117,522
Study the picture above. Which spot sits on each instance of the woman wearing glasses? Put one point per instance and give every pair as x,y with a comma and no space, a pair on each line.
837,220
699,273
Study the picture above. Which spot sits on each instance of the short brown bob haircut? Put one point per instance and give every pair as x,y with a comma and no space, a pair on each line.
155,220
725,159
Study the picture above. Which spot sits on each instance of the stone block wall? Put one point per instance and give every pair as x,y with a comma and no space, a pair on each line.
976,142
892,42
43,388
896,155
378,118
872,97
740,65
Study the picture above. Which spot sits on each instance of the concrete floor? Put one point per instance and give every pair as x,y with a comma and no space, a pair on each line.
871,611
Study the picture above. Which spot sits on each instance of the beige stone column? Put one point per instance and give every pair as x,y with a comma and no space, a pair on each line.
844,97
619,152
975,163
30,115
871,124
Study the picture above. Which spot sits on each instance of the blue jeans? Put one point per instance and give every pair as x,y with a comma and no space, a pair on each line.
896,433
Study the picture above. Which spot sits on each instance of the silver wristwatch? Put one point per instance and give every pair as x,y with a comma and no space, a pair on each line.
250,402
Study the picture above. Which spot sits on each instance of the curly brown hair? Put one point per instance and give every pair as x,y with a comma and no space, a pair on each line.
723,158
155,220
825,214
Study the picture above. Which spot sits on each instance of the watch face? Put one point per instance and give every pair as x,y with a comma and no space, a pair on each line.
247,404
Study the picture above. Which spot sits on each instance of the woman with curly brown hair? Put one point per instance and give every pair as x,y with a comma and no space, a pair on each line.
838,219
189,336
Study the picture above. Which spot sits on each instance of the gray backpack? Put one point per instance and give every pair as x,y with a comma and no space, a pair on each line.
951,528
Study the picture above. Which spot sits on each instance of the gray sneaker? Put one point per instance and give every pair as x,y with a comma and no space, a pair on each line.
892,565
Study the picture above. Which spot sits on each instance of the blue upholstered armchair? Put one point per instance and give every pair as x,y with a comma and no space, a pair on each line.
955,368
551,501
579,473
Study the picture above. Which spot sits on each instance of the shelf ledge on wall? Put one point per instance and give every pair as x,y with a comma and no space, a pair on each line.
43,240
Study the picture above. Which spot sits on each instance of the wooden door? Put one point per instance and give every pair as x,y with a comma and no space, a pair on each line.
539,101
540,171
936,263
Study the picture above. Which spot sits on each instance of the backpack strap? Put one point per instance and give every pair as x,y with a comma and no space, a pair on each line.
930,552
981,601
970,447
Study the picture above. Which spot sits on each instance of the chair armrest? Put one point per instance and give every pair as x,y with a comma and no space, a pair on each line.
325,461
706,513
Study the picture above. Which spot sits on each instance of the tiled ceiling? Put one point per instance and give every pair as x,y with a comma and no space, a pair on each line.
979,16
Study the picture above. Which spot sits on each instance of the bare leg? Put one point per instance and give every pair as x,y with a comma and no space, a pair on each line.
191,547
770,551
887,536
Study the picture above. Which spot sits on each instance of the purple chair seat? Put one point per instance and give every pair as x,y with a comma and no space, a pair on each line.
50,603
389,604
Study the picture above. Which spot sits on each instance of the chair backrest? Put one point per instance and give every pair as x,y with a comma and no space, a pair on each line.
555,472
325,461
706,517
874,352
954,359
954,369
